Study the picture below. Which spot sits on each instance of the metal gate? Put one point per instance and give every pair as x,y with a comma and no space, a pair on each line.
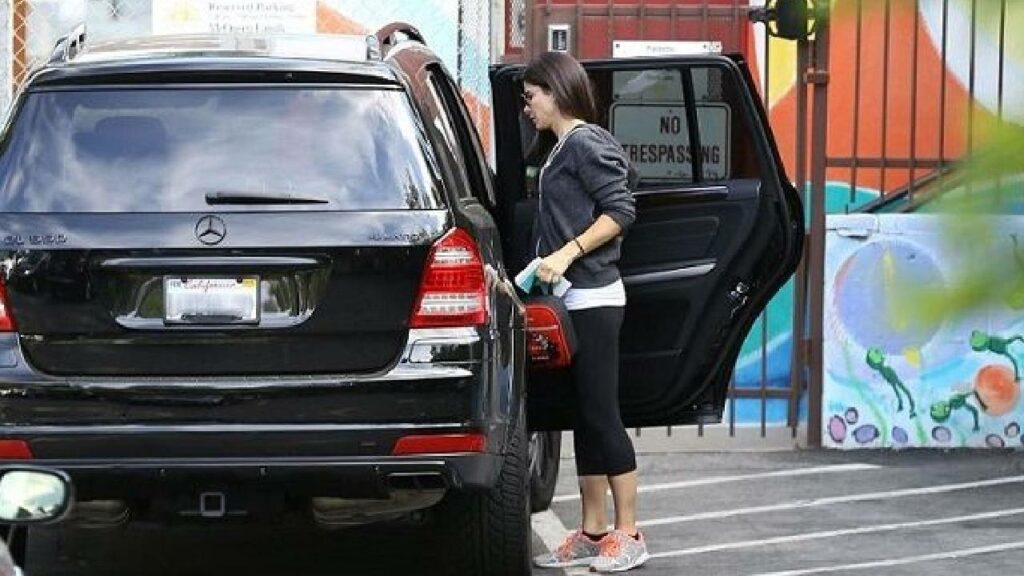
896,118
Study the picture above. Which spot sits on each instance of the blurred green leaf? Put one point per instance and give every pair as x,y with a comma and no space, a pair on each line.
981,189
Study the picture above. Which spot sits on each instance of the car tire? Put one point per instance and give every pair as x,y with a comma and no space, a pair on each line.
489,532
545,453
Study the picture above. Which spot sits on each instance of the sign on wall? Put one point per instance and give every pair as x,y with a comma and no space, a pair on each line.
657,49
234,16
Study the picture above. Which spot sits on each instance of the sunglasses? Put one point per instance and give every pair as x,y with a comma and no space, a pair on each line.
527,97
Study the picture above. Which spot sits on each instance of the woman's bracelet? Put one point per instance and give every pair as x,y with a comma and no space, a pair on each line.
580,246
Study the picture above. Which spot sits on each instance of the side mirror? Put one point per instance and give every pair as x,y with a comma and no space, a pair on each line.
32,495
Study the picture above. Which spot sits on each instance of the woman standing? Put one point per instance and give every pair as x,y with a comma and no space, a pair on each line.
584,209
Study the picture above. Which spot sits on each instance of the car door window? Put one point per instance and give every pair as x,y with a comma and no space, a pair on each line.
668,140
728,151
441,123
463,137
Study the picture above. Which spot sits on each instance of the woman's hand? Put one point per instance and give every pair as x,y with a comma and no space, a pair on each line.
553,266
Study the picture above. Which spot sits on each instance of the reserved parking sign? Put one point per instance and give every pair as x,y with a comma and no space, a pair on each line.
234,17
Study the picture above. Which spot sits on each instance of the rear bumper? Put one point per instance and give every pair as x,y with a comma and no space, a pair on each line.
340,477
336,491
319,436
453,375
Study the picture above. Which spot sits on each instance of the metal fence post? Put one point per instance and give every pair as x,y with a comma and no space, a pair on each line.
798,359
817,76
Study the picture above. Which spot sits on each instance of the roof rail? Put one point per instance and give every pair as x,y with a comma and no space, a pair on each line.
372,47
69,45
393,33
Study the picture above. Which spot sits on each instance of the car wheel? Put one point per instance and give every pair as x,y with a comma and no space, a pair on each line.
489,532
545,452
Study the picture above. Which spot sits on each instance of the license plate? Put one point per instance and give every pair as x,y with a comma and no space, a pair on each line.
206,300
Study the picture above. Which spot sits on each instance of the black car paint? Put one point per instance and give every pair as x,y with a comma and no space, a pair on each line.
117,429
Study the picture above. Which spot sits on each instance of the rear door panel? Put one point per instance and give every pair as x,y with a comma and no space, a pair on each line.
704,254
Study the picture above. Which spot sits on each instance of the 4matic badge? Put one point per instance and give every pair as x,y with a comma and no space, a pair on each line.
35,239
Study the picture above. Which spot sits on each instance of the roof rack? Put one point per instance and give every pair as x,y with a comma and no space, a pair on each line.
396,32
373,51
69,45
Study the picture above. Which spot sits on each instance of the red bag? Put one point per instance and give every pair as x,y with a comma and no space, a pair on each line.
550,338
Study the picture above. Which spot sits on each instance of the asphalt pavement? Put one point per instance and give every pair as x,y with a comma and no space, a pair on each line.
732,513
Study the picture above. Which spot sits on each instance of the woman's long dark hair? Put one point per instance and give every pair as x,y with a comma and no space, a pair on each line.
567,81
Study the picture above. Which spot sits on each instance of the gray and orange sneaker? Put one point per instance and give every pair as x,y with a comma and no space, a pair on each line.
576,550
620,552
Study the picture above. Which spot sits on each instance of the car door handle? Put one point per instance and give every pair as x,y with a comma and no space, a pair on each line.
669,275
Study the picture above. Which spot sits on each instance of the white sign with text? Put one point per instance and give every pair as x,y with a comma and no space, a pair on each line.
234,16
657,141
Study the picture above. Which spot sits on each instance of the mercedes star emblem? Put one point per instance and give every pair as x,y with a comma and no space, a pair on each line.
211,230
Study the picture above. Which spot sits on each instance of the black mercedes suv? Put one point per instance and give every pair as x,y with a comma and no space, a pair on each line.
251,276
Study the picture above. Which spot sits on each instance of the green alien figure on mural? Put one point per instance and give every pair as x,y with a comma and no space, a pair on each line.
943,409
992,389
876,360
982,342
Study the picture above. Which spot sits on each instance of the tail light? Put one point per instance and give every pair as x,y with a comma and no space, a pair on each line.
548,341
6,320
14,450
453,291
439,444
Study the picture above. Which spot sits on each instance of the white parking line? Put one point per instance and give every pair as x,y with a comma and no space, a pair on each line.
838,468
940,489
835,533
950,555
549,528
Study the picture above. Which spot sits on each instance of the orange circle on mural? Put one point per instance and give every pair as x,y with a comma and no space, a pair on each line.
997,389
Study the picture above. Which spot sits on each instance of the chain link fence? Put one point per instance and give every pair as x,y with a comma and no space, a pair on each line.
515,26
461,32
6,49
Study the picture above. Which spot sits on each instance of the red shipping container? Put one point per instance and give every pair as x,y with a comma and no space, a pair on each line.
594,24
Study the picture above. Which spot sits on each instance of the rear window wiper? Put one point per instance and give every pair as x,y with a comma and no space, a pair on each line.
261,198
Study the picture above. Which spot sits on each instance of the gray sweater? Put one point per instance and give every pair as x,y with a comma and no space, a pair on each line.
585,177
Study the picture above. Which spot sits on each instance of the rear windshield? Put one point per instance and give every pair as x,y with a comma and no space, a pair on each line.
172,150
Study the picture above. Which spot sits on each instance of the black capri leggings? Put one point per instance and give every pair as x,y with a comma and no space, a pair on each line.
602,445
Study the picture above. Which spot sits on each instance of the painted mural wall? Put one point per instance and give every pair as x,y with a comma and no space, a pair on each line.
856,122
896,378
